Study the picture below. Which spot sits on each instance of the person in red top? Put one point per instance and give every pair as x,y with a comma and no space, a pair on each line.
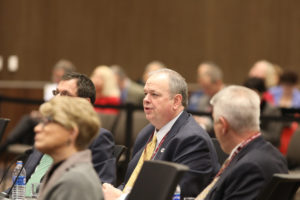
107,90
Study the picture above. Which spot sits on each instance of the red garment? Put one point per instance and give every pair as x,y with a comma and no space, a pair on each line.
107,101
286,136
267,96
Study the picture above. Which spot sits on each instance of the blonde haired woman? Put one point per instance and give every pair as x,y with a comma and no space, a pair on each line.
107,90
67,127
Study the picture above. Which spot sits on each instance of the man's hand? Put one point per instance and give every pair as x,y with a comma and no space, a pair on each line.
110,192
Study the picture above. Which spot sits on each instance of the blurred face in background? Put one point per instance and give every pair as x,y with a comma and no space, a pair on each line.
57,74
207,85
98,81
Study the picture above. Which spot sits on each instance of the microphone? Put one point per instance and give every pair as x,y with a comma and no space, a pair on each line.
22,157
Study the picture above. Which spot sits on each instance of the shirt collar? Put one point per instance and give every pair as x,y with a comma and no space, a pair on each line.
160,134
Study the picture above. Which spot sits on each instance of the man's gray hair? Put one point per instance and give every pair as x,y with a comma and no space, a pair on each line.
240,106
177,83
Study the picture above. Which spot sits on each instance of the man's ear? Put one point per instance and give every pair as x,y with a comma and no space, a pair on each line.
225,125
177,101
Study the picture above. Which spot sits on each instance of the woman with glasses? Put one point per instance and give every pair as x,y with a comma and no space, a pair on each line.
67,126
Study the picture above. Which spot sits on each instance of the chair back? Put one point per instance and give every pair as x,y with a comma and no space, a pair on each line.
157,180
222,156
118,151
281,186
292,155
117,125
3,125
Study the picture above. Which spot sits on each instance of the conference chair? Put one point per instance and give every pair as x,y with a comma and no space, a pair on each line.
157,180
292,155
3,125
121,165
281,187
222,156
118,151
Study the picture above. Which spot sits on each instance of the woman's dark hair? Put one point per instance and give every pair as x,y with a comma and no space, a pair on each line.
257,84
289,77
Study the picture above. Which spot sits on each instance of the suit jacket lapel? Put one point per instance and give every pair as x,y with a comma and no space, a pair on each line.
174,130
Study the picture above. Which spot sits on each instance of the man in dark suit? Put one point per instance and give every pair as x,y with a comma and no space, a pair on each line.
252,160
178,136
102,147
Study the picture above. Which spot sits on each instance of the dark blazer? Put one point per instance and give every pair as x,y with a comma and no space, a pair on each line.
103,160
186,143
249,171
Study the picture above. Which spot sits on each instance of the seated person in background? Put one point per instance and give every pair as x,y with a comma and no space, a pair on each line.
60,68
252,161
271,130
265,70
107,90
131,92
102,147
172,135
270,73
286,95
23,132
210,80
67,126
150,67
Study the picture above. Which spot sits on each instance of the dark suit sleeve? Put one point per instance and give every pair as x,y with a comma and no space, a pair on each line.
102,156
22,133
197,155
244,184
32,162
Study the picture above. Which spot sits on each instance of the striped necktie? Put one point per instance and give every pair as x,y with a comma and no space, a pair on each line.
38,173
146,155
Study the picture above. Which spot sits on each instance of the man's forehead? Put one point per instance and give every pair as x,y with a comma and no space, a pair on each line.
156,84
67,85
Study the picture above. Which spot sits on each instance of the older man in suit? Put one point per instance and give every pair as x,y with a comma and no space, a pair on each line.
252,160
174,135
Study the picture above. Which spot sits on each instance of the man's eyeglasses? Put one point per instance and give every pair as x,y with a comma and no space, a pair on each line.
61,93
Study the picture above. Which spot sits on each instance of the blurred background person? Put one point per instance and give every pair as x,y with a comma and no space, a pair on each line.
60,68
152,66
23,132
286,94
265,70
210,81
66,128
107,90
131,92
271,130
270,73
